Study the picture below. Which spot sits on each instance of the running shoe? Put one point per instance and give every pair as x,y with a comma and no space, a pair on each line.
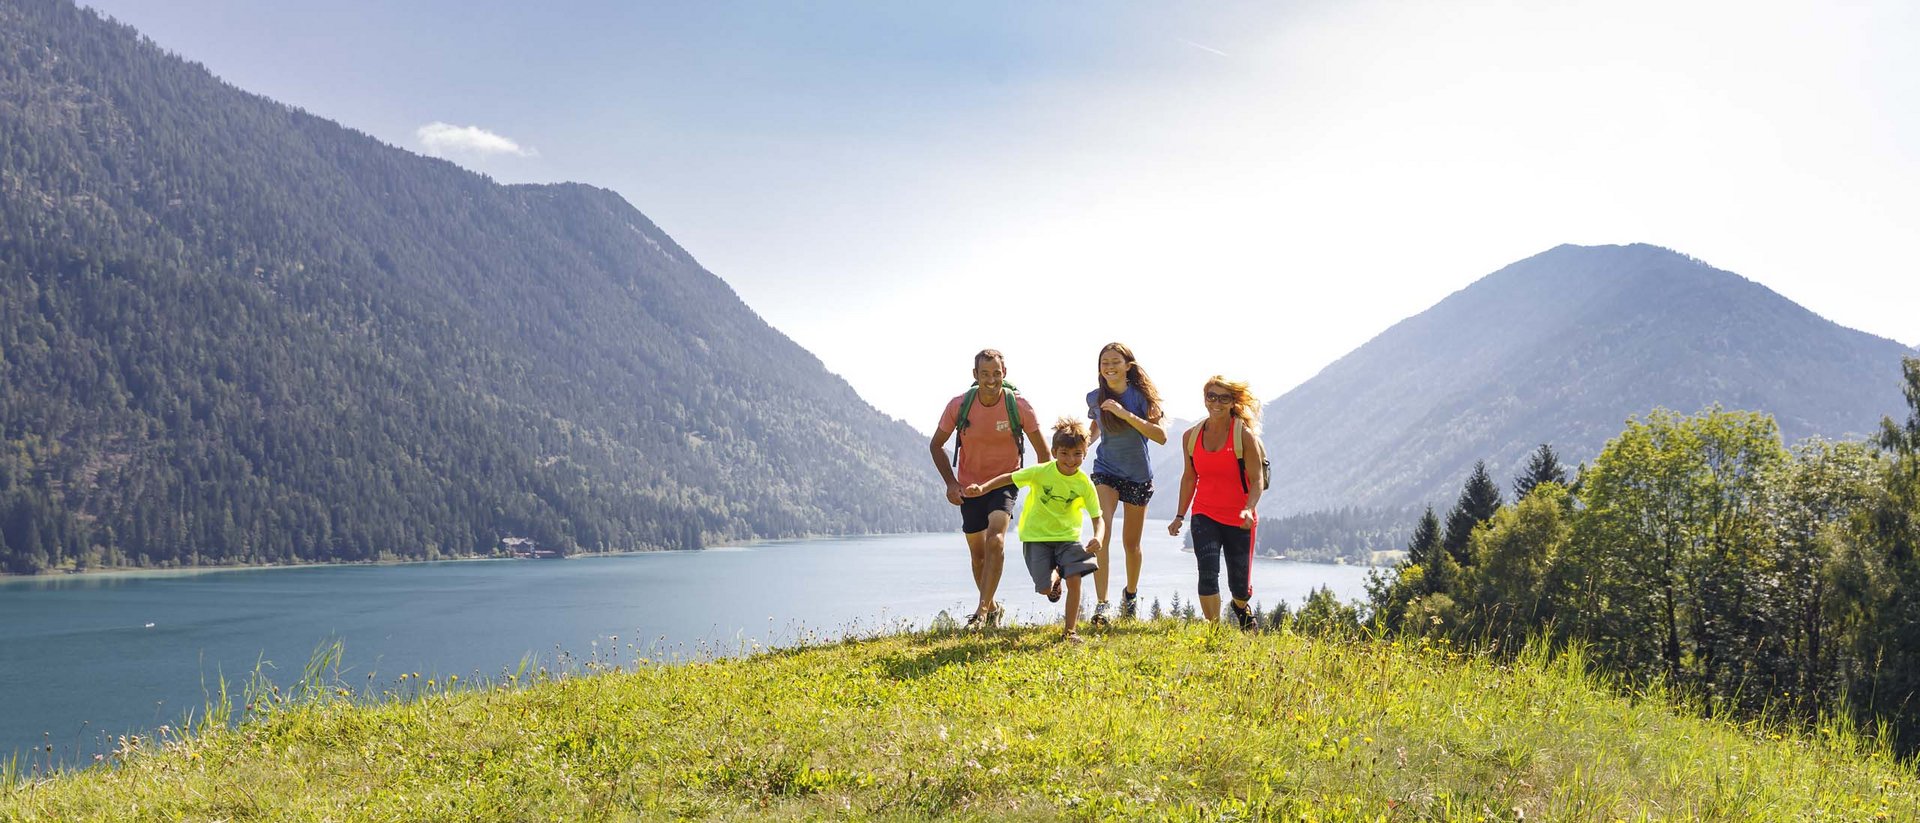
997,616
1099,617
1245,616
973,620
1129,604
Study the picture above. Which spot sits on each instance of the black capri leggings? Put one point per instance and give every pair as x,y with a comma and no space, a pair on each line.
1213,541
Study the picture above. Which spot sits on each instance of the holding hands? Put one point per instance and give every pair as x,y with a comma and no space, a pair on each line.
977,489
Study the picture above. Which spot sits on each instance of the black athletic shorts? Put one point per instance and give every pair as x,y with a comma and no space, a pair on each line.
974,510
1132,493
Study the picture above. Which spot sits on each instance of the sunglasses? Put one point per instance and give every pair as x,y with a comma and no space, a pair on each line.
1216,397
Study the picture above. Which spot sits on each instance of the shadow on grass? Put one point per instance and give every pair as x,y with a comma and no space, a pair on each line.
910,655
928,653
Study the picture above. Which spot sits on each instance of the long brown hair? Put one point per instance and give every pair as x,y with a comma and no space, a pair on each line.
1136,377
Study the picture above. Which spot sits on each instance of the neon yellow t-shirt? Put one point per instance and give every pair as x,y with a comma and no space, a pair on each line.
1054,503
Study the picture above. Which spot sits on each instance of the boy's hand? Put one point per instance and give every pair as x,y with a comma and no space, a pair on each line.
1093,545
1173,528
973,490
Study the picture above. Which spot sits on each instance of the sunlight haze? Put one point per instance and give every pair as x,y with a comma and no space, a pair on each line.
1245,189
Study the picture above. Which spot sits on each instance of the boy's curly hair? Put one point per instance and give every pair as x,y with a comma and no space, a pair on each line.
1069,432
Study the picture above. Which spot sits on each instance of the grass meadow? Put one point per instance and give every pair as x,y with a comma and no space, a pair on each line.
1164,719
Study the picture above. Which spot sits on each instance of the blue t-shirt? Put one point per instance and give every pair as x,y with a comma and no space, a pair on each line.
1122,451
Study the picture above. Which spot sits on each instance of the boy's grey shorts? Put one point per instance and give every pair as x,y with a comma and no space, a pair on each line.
1072,559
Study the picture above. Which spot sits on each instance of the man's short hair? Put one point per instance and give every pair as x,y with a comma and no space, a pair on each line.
989,354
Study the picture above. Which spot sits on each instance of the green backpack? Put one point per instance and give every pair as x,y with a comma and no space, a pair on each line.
1011,398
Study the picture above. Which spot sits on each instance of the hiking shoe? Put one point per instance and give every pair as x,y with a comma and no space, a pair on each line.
1099,617
1129,604
973,620
1245,616
997,616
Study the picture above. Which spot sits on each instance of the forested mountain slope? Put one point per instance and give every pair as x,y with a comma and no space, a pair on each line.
231,331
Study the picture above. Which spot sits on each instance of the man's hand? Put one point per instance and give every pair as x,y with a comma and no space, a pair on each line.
953,492
1246,518
1173,528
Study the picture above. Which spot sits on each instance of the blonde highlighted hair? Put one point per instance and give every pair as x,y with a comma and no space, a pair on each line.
1245,405
1069,432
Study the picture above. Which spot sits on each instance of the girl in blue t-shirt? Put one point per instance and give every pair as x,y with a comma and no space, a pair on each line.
1126,414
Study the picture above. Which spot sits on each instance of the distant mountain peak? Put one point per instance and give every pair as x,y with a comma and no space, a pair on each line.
1562,347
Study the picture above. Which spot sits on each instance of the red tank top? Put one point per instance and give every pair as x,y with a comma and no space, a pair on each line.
1217,490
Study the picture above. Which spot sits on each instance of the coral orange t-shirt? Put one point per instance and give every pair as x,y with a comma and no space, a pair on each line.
987,447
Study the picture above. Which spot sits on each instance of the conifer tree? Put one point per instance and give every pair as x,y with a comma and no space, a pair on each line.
1478,501
1426,539
1543,467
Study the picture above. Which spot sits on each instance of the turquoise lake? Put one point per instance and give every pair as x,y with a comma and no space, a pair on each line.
86,657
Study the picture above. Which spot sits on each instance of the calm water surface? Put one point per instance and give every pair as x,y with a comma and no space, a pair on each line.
86,657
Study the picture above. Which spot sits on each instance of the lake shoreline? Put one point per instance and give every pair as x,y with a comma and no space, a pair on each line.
168,571
156,571
171,571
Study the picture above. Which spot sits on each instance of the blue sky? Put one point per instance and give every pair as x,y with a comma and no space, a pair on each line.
1317,171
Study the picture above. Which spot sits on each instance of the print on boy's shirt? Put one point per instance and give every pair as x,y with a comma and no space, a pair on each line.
1048,494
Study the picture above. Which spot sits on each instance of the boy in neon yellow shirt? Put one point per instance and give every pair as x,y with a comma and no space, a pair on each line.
1059,495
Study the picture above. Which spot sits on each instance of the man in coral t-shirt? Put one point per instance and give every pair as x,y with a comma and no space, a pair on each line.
988,448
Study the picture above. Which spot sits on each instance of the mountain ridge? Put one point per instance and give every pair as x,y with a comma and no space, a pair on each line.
1562,347
238,332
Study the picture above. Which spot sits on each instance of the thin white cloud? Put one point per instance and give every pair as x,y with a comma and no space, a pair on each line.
1203,48
443,139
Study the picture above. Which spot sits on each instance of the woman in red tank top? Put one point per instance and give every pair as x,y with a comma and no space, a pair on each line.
1222,489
